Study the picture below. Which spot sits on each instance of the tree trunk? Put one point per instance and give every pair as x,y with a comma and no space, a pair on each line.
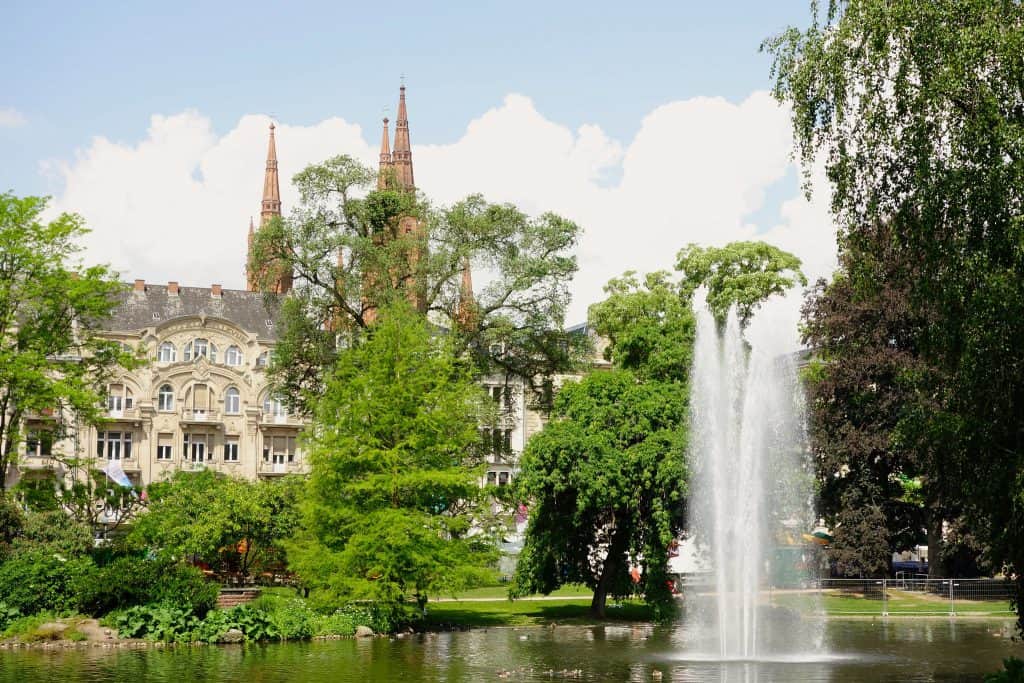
612,565
936,567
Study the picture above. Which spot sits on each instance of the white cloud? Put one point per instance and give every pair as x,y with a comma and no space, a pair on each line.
176,205
11,118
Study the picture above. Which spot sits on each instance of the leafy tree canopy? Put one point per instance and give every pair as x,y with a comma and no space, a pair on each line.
607,472
741,273
354,253
230,524
51,360
395,471
917,110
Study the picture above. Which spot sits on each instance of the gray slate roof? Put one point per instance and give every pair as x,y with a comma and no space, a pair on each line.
155,306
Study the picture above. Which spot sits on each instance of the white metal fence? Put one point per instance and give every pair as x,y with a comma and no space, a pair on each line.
884,597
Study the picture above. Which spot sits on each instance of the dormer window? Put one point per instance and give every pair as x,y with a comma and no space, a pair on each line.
263,360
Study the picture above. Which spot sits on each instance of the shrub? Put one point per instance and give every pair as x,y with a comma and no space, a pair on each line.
171,624
343,622
7,615
129,581
38,580
292,619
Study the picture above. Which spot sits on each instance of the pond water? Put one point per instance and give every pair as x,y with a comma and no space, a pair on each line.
893,650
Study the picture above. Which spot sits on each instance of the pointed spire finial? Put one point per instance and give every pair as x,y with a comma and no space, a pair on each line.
271,205
402,156
385,158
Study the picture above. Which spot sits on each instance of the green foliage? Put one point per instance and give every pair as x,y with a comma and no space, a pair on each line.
37,580
917,111
608,471
394,246
49,311
8,614
53,531
208,515
176,625
394,472
741,274
649,326
129,581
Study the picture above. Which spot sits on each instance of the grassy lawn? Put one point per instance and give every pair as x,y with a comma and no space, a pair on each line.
528,612
835,603
501,593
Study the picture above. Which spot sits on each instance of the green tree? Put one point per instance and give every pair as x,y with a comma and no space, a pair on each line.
395,470
51,360
606,480
229,523
917,110
353,255
741,274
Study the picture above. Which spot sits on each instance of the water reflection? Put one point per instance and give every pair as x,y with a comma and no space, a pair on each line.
859,651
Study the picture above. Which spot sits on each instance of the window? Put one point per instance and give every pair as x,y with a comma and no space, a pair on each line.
119,398
275,408
263,360
497,441
200,348
491,478
201,399
39,443
164,448
198,447
165,399
114,445
279,449
233,356
232,401
502,478
231,449
501,395
168,353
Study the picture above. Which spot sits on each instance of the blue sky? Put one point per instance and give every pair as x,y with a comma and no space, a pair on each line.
77,70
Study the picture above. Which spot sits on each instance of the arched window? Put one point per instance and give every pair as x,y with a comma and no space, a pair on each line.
168,353
165,398
233,356
200,348
232,401
274,407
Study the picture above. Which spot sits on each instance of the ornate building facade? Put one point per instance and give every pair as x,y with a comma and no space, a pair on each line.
204,401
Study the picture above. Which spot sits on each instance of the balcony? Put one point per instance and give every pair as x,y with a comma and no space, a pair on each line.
36,463
272,420
281,468
194,465
126,414
127,464
189,416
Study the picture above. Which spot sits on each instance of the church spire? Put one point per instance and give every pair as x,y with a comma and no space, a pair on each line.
465,314
402,156
250,276
271,185
385,158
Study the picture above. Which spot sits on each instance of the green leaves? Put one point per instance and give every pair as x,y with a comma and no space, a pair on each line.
741,273
394,471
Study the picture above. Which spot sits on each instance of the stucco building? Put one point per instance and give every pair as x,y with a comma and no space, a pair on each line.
204,402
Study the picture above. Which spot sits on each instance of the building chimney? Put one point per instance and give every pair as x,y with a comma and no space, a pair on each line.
172,288
215,290
140,285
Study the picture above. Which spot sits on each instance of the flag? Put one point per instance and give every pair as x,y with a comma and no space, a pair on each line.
116,473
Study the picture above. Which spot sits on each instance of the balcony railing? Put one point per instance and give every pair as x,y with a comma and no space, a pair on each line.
124,414
31,461
281,467
194,465
200,416
270,419
127,464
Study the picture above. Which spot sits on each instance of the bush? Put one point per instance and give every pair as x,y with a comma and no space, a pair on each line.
7,615
171,624
129,581
293,619
343,622
38,580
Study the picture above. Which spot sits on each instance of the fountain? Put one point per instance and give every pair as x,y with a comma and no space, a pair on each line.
750,496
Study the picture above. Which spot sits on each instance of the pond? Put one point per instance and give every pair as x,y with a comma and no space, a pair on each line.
865,650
